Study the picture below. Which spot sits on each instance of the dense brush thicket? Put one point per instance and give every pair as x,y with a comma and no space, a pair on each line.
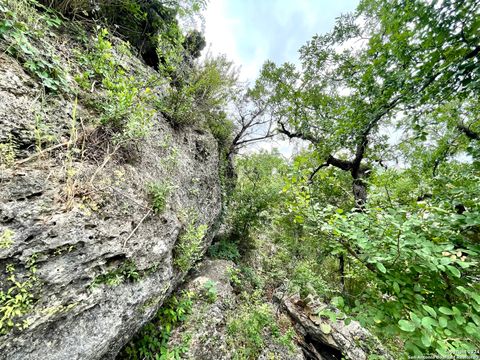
141,22
379,214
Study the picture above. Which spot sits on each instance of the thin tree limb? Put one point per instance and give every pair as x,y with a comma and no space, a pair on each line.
136,227
42,152
472,135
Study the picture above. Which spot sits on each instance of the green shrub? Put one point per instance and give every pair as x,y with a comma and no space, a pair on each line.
6,239
305,279
250,325
210,291
244,279
126,272
224,249
256,195
413,277
200,95
16,299
189,245
178,107
159,192
8,152
246,330
151,342
221,128
140,22
20,28
125,107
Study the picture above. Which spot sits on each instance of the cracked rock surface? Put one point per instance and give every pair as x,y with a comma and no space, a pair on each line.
206,327
103,261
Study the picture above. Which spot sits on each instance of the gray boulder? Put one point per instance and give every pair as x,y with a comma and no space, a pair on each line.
324,339
78,238
206,327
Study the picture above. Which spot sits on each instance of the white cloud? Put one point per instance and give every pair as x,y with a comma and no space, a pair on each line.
220,30
249,32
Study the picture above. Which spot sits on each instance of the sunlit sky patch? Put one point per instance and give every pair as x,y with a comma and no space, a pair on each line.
251,31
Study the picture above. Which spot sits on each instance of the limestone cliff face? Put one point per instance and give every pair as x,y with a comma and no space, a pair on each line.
76,221
207,326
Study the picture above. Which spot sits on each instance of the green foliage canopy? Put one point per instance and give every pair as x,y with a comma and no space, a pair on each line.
408,68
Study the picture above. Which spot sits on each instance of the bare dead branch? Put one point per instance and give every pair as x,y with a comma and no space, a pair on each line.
472,135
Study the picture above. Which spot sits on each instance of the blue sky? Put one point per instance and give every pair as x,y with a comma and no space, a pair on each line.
252,31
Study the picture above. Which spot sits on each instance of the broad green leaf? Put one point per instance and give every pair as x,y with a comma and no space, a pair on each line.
412,348
445,310
455,272
381,267
428,322
396,287
445,261
426,340
476,319
406,325
464,265
419,297
476,306
476,297
430,310
471,329
415,319
459,319
338,301
442,349
442,321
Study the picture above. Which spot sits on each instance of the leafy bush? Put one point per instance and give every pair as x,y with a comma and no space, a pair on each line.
159,193
305,279
202,92
244,278
221,128
224,249
126,272
210,291
6,239
412,264
408,251
255,197
140,22
250,325
125,108
8,153
246,330
151,342
189,245
16,299
20,27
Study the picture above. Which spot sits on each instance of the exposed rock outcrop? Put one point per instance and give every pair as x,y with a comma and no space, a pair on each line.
324,339
78,230
207,325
